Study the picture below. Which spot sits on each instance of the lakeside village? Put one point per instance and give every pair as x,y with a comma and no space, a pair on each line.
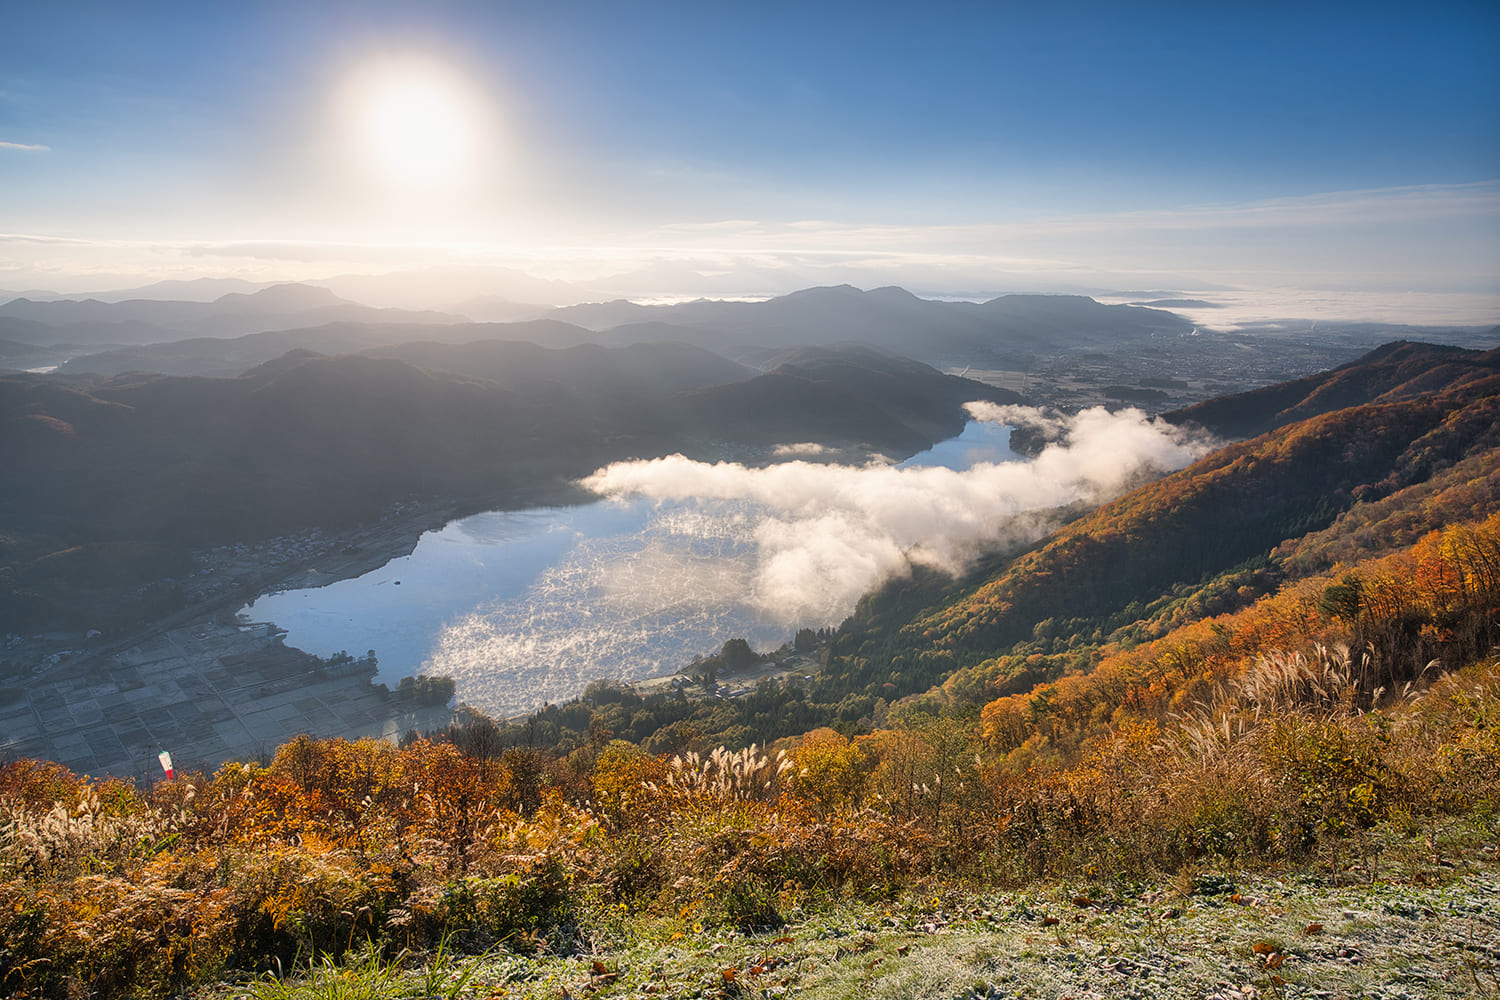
219,690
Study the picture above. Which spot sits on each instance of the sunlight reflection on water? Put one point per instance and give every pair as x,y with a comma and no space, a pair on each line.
522,607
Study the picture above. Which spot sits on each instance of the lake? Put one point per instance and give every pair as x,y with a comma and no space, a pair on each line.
529,606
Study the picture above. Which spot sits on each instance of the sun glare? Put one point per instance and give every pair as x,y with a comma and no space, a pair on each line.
418,126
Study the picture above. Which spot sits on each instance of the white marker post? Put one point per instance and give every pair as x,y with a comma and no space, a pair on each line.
166,763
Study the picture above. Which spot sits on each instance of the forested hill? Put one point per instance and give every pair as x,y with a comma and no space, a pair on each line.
1201,540
1396,371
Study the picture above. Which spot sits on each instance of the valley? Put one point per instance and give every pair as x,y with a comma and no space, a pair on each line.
1012,673
118,628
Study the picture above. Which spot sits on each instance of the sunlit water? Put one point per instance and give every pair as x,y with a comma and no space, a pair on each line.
524,607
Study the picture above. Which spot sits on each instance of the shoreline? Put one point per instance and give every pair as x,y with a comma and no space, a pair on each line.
211,688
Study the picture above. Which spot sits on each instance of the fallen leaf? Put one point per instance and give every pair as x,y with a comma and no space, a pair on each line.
1049,921
1263,948
1274,961
1313,928
599,968
1082,901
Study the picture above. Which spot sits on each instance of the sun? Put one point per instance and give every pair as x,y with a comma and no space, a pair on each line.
418,126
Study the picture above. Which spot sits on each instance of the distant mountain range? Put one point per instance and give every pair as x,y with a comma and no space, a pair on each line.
892,319
140,321
227,357
237,331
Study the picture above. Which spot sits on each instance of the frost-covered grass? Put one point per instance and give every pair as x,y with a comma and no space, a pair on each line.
1425,929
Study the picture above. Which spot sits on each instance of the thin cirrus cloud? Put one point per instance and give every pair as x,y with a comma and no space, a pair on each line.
1403,243
1413,204
25,147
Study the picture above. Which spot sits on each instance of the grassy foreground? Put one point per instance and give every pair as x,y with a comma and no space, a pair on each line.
1430,927
322,874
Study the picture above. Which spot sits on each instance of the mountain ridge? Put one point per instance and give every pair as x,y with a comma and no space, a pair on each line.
234,313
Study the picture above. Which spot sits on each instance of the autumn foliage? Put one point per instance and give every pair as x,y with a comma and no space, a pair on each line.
1364,697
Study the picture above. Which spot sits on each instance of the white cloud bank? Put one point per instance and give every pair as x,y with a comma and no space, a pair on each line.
824,535
688,554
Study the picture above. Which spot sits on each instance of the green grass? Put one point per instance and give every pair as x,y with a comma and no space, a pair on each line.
367,975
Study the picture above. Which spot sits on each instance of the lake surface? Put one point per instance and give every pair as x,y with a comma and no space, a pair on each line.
529,606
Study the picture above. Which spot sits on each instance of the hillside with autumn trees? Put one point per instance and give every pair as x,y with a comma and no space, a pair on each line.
1205,539
1279,660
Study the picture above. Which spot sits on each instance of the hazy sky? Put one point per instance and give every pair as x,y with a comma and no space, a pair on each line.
682,148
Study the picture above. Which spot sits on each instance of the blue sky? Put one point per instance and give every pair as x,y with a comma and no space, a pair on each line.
974,146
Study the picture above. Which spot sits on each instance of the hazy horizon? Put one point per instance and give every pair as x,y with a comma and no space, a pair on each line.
1341,163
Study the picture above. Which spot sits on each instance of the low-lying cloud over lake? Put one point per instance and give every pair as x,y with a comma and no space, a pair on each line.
824,535
729,550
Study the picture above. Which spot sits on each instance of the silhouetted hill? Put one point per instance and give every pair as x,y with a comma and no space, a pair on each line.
137,321
651,330
600,316
779,408
226,357
1056,321
908,389
893,320
176,289
626,386
651,367
848,396
168,462
26,331
14,354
